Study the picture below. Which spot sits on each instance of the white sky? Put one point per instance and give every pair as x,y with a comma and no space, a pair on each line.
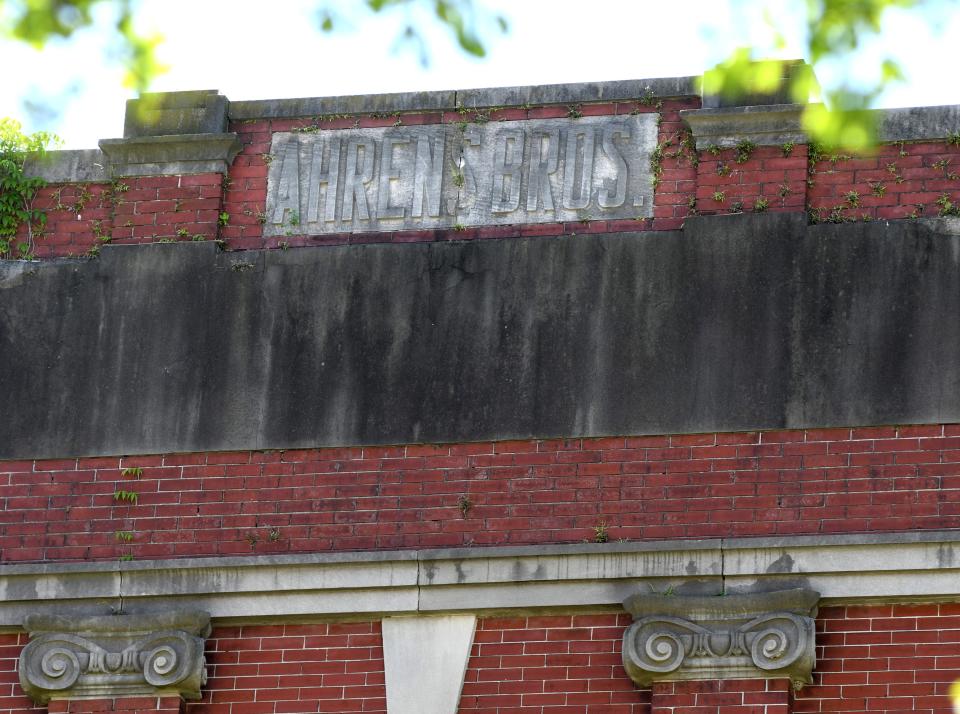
251,49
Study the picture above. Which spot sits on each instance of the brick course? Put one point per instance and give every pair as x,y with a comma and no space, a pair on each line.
900,180
81,218
520,492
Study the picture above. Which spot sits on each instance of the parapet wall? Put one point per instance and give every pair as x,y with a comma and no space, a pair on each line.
542,400
191,184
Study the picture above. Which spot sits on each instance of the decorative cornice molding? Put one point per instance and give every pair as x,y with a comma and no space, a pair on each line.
757,636
114,656
888,567
170,154
763,125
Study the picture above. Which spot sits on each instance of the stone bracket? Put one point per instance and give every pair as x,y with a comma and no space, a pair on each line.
761,636
114,656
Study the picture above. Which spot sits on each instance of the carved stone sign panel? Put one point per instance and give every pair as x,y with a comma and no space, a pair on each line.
452,175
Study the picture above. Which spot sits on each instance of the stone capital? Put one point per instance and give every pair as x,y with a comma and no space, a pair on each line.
105,657
757,636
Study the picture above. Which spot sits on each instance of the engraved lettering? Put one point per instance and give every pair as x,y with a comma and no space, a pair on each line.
319,177
472,174
359,172
388,175
612,152
507,164
428,176
578,168
467,193
287,197
543,163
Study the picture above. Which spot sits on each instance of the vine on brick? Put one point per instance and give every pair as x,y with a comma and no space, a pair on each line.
17,191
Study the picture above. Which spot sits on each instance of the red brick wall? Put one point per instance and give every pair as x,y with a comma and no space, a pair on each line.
81,218
735,696
127,705
884,658
12,698
900,180
502,493
262,669
766,178
554,664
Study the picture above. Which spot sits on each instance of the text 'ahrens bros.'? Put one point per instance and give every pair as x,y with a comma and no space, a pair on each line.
449,175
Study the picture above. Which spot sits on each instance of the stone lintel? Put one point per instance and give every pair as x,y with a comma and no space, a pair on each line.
763,125
171,155
751,636
113,656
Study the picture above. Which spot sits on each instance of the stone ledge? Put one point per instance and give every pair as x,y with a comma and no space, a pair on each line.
770,125
896,567
349,104
918,123
621,90
171,155
777,124
69,166
451,100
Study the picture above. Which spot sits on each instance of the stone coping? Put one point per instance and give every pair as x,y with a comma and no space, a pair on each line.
724,127
451,100
891,567
777,124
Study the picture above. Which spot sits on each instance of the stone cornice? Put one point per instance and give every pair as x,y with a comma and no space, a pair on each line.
171,154
764,125
159,654
879,567
757,636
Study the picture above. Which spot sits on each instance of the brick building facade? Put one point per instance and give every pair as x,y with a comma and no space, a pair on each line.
543,400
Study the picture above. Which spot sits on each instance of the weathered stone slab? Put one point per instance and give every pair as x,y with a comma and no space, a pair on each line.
446,176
